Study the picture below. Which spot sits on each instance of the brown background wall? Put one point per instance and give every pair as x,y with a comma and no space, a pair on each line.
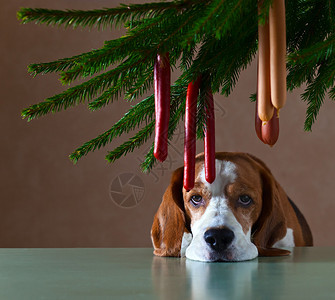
48,202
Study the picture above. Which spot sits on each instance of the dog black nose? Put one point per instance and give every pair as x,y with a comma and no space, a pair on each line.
219,238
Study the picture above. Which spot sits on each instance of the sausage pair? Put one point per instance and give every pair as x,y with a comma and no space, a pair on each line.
271,73
162,75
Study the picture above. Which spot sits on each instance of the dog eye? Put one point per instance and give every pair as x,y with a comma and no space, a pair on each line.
245,200
196,200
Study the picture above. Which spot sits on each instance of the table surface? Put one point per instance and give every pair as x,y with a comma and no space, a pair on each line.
100,273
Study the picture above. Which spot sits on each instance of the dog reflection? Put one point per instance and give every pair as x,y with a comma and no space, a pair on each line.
187,279
210,281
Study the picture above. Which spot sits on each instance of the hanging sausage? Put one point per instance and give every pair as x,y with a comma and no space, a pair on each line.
190,133
162,82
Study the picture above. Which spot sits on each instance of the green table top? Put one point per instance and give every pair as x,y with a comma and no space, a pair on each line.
309,273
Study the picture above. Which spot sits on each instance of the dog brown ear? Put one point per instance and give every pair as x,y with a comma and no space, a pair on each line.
270,226
169,222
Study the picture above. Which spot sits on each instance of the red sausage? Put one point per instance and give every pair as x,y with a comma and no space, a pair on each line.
210,140
162,80
270,131
190,133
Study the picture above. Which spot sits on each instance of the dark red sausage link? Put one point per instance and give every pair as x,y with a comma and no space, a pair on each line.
210,140
270,131
162,81
190,133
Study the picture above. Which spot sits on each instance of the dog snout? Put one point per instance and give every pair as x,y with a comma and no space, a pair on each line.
219,239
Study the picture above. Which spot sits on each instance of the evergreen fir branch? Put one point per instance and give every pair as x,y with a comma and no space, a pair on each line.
141,86
215,38
71,97
142,111
220,18
105,98
136,141
314,54
211,12
137,42
331,11
224,59
301,32
85,91
231,72
100,18
331,93
177,111
230,20
187,56
311,48
149,160
253,97
55,66
126,83
309,43
139,113
113,51
298,74
315,92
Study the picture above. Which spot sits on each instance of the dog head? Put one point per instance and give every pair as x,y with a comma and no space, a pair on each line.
237,217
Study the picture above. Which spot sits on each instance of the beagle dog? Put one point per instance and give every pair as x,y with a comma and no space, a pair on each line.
243,214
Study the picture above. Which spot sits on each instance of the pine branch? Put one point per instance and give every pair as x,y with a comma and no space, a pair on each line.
54,66
308,37
231,19
238,63
134,42
331,93
211,11
187,56
85,91
316,90
314,54
71,97
311,52
136,141
129,84
99,18
224,62
91,88
141,86
299,74
253,97
142,111
215,38
301,32
149,160
177,112
114,51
